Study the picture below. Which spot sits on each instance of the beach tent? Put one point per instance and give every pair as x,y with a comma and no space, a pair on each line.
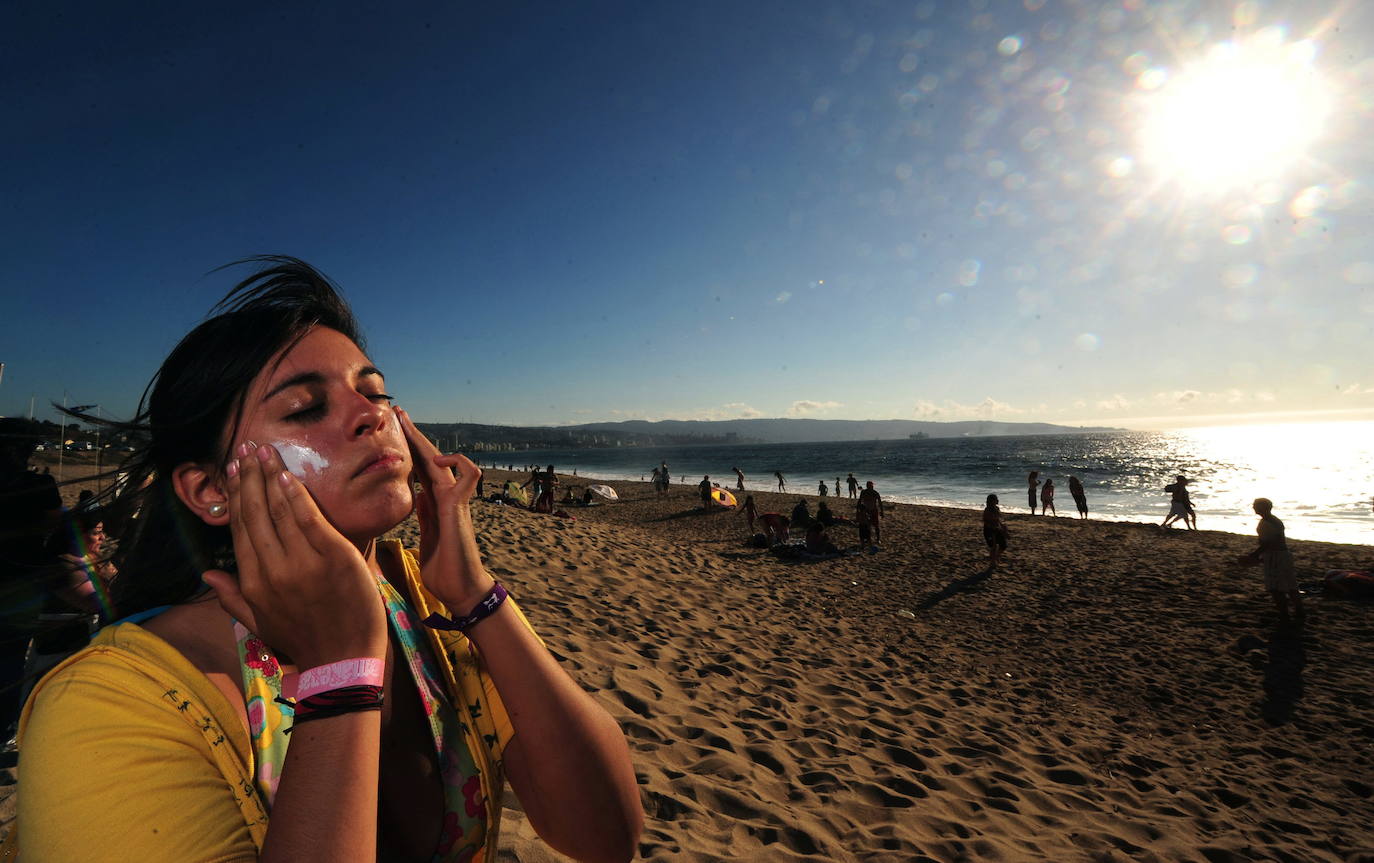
604,491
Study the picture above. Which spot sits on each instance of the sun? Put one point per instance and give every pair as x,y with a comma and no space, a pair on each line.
1245,113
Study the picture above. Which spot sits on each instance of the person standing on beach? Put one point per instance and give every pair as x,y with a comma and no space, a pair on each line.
1180,506
994,530
750,511
1080,498
739,479
1280,578
705,488
544,503
1032,486
837,487
663,469
1047,497
872,502
853,487
823,490
782,483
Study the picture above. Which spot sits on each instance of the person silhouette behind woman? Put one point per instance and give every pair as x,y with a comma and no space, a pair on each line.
1080,497
1032,486
410,685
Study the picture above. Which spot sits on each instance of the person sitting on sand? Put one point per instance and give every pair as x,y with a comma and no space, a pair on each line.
823,515
776,528
1047,497
782,483
704,487
817,542
1032,487
994,530
1280,578
1180,506
1080,498
824,490
870,500
265,602
739,479
801,515
750,511
853,486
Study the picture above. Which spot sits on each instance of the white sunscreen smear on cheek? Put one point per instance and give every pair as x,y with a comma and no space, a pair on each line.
302,461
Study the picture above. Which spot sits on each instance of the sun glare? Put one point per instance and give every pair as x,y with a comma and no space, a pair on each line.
1245,113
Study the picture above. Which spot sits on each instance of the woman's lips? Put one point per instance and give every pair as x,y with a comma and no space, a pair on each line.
384,462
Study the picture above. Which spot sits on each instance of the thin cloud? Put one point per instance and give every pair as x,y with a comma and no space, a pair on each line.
806,406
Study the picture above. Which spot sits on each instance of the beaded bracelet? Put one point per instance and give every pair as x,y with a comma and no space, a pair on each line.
334,702
484,609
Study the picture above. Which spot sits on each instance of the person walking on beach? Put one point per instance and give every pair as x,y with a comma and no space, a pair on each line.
872,502
1032,487
823,489
739,479
782,483
1047,497
663,471
1180,506
1280,578
1080,498
853,487
994,530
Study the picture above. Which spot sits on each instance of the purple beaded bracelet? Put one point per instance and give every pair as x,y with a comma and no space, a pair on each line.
484,609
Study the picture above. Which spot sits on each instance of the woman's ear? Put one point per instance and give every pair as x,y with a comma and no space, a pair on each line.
202,492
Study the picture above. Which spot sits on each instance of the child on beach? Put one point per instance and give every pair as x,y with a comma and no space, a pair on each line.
1047,498
750,512
782,483
994,530
287,684
865,522
1180,505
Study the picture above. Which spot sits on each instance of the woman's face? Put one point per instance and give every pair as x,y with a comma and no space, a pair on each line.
323,405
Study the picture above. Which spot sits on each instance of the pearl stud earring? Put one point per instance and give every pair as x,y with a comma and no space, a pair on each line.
216,509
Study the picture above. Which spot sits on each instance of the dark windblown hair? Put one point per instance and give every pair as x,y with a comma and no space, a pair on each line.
183,415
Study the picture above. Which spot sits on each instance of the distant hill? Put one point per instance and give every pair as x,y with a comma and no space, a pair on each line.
785,430
470,436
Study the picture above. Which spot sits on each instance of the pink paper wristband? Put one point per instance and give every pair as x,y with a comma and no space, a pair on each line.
364,671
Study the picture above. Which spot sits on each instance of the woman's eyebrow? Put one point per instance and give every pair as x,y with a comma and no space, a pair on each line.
295,381
365,371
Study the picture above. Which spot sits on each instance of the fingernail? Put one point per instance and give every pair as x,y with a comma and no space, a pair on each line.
242,450
233,468
284,478
264,454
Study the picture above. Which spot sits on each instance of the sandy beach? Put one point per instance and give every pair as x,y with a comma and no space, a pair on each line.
1112,692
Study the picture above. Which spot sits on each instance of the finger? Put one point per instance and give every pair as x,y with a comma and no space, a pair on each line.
230,597
276,481
422,450
311,524
257,517
245,556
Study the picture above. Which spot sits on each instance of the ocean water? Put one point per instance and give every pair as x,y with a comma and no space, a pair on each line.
1319,475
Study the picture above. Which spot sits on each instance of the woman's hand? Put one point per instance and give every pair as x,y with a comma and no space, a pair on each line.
301,586
450,564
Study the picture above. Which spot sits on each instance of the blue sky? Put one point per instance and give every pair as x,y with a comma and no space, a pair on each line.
559,213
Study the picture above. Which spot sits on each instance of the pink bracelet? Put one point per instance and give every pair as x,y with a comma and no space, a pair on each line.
363,671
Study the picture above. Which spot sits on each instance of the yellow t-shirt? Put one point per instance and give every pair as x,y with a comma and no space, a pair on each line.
129,752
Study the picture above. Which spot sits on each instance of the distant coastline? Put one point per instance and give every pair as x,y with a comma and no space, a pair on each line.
471,437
